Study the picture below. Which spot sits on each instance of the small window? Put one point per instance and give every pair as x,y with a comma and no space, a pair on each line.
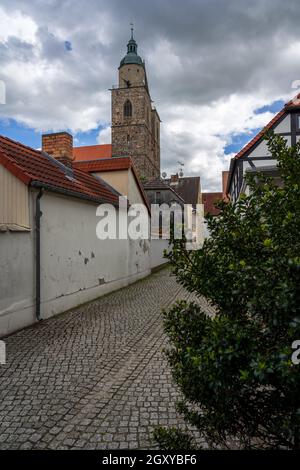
157,197
127,109
298,122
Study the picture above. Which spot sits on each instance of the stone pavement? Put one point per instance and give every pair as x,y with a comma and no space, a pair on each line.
94,377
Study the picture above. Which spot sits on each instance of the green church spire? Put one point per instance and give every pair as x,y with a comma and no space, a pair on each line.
132,56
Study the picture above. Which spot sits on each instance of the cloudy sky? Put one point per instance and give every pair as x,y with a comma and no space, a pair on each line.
218,71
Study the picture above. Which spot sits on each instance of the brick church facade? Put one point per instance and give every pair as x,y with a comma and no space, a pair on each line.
135,121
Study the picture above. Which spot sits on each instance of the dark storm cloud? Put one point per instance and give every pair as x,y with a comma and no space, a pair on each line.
197,53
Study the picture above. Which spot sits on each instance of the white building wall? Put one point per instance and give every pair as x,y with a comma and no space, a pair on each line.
157,252
76,266
284,125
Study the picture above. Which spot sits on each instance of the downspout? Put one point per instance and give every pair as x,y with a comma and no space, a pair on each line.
38,215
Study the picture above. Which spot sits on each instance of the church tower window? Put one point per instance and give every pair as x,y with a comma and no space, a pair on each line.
127,109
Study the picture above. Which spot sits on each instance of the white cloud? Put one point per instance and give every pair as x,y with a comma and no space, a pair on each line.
209,68
198,135
18,25
104,136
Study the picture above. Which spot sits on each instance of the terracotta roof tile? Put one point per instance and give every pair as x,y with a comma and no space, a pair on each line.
292,104
37,168
112,164
209,200
104,164
92,152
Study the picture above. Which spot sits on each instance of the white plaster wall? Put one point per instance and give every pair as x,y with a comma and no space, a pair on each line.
76,266
17,278
157,250
284,125
134,193
17,281
262,149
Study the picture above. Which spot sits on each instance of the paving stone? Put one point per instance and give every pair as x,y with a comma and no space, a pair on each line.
94,377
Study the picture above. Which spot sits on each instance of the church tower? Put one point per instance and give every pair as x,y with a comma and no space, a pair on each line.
135,122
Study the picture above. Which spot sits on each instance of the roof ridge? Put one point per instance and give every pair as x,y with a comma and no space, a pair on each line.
92,145
16,143
14,167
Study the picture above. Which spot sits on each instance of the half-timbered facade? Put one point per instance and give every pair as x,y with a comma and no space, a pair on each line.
255,156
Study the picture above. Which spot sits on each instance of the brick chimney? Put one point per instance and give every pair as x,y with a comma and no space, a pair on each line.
174,179
60,146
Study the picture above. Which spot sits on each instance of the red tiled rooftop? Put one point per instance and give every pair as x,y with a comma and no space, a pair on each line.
92,152
112,164
294,103
36,168
209,200
104,164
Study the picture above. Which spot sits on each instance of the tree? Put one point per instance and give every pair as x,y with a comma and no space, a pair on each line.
234,368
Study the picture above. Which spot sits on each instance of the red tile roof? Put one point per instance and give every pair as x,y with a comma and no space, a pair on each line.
209,200
105,164
112,164
37,168
92,152
294,103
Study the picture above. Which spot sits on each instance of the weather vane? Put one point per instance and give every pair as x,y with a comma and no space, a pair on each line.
131,24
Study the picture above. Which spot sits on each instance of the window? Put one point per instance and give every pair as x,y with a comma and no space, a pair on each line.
127,109
157,197
298,122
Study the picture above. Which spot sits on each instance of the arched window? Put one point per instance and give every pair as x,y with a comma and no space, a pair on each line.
127,109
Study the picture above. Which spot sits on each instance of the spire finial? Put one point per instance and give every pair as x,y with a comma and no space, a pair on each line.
131,24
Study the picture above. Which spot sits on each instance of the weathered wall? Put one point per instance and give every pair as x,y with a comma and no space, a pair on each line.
75,265
157,250
134,135
16,281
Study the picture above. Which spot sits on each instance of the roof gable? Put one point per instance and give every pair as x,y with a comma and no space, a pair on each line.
291,105
188,187
112,164
38,169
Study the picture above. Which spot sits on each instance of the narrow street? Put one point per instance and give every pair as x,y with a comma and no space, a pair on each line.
94,377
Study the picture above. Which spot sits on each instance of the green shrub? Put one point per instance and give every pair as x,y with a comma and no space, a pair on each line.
234,369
